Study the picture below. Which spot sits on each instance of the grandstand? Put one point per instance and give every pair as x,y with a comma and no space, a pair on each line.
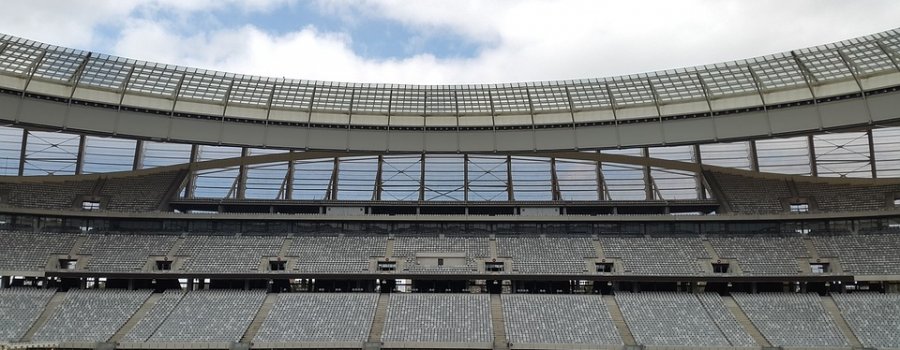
752,204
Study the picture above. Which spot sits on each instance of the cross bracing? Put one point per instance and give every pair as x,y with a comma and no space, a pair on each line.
537,176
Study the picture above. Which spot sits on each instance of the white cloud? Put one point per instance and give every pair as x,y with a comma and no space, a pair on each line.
62,22
518,40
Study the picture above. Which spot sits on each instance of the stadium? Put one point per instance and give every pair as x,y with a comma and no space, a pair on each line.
752,204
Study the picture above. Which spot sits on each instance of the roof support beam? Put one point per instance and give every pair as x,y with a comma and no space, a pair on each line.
662,130
510,191
854,71
533,125
192,176
648,179
712,117
291,176
602,189
760,89
332,192
556,193
33,69
79,158
810,80
754,157
309,111
571,105
175,93
379,182
813,164
698,176
76,76
422,177
242,175
613,107
269,107
465,177
138,160
872,159
23,152
287,187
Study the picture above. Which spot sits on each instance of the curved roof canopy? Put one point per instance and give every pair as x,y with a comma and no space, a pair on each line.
576,114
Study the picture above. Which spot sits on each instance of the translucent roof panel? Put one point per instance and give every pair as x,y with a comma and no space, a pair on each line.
251,91
677,86
59,65
155,80
824,64
474,101
891,41
441,101
629,91
408,101
19,58
292,94
375,100
778,72
589,95
868,58
204,86
726,79
549,97
105,72
334,98
511,100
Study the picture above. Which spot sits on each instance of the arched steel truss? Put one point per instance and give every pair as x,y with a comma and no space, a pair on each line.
655,173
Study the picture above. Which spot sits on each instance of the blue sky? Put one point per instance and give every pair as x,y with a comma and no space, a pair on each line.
433,41
371,36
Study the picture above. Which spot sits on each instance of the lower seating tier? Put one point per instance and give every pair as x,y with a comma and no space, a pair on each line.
218,318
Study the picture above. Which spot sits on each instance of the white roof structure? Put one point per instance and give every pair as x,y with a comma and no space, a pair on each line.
831,86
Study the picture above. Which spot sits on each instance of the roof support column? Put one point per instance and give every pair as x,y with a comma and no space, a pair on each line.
510,192
813,166
556,193
698,176
379,185
872,159
465,177
138,161
192,177
422,178
22,152
331,193
754,157
602,190
79,158
289,179
648,180
242,175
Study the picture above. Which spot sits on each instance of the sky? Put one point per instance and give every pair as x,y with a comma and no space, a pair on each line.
443,42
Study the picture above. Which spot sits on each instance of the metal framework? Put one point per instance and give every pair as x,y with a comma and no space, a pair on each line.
552,176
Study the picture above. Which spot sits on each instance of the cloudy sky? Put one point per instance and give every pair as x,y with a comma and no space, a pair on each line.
454,41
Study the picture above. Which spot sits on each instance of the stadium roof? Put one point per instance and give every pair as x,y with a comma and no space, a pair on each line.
588,113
